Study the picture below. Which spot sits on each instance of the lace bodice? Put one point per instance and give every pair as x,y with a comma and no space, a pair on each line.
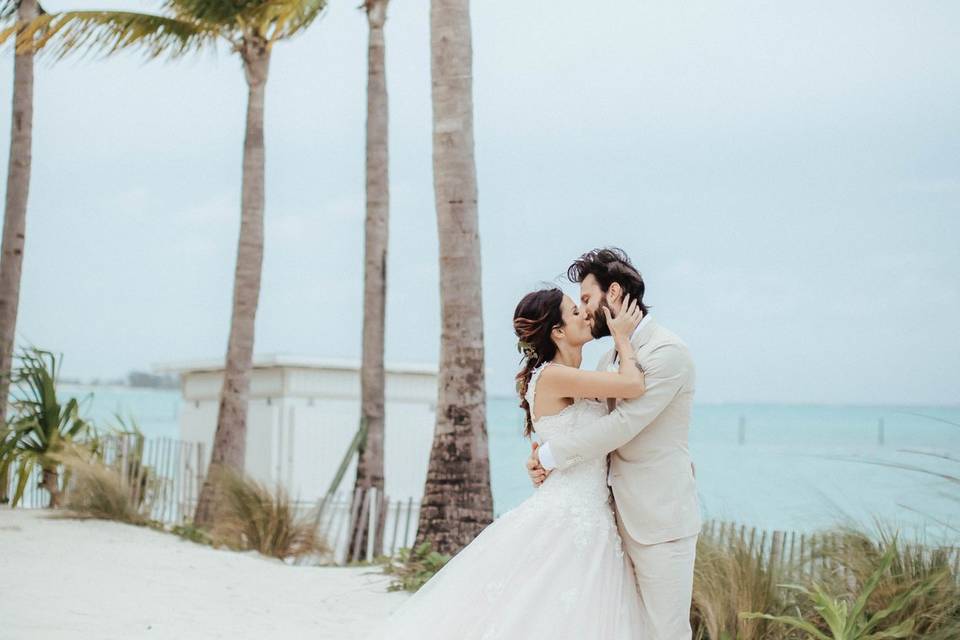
584,483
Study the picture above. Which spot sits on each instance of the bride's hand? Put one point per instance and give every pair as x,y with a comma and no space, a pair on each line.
536,472
626,321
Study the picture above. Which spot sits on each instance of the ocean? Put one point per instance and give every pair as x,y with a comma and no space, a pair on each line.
789,467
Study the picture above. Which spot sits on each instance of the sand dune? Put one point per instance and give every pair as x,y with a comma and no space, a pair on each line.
101,580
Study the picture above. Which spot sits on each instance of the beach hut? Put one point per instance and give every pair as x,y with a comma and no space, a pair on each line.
304,412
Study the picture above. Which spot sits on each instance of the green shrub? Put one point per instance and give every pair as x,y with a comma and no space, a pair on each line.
411,568
843,617
191,532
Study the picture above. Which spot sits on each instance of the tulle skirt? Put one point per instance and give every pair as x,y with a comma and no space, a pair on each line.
552,568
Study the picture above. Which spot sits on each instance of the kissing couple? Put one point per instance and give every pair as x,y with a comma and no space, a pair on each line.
605,546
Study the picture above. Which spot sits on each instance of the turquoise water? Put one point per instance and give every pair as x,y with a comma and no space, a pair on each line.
799,467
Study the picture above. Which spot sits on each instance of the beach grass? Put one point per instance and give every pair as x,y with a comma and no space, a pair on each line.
252,516
852,584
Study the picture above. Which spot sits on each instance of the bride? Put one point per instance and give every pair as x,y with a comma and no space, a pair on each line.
553,567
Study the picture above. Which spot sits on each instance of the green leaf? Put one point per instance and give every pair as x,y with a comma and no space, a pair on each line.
902,630
871,584
790,621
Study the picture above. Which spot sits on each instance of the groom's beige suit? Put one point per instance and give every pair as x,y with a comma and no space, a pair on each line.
651,476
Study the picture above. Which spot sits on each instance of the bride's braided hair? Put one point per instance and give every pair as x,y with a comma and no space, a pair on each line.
535,317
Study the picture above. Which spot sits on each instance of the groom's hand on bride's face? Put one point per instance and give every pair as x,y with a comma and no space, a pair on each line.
536,472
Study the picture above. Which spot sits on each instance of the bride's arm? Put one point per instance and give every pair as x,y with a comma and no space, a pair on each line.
567,382
627,383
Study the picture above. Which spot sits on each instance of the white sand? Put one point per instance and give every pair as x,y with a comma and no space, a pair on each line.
102,580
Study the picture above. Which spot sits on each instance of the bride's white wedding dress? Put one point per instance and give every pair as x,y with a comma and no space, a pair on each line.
551,568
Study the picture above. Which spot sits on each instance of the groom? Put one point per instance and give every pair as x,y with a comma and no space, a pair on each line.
650,471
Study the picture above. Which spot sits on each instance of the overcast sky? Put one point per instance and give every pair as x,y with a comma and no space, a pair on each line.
785,175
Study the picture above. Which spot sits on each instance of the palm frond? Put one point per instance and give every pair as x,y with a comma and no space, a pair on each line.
282,19
220,13
271,19
8,9
6,32
107,32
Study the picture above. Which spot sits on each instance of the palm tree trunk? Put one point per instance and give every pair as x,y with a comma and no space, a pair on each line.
15,211
370,464
457,502
229,444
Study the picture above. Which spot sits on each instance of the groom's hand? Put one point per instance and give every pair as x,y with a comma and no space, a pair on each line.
536,472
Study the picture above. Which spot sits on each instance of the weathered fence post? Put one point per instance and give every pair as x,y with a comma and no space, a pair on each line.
358,530
372,522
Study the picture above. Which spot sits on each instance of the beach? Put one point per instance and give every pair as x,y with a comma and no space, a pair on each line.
97,580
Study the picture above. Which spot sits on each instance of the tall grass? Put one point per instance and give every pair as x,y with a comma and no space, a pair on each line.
861,585
94,489
922,576
251,516
730,577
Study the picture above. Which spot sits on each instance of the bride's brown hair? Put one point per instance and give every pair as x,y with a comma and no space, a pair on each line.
537,315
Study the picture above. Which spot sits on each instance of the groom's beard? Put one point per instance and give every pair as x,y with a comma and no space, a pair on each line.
599,328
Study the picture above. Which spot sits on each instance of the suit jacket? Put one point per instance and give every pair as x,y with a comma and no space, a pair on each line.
647,438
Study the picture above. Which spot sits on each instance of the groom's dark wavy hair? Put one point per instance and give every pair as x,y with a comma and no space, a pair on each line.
609,265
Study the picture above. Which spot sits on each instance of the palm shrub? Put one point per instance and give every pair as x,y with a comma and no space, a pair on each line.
40,426
865,617
251,516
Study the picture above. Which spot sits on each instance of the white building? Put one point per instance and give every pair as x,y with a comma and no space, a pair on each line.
305,411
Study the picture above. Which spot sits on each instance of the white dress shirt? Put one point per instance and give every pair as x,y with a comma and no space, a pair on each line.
547,461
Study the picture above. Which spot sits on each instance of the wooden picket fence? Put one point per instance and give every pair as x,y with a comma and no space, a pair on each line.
792,555
344,517
164,475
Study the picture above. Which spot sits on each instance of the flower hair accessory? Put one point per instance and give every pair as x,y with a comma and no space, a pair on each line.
526,349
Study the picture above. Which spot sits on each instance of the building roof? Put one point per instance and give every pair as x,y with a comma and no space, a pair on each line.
285,360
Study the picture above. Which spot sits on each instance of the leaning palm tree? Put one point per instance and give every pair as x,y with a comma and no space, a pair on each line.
18,186
457,503
250,28
370,464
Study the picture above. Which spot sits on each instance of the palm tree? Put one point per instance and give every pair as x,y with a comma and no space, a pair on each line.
457,503
370,463
41,427
250,28
15,209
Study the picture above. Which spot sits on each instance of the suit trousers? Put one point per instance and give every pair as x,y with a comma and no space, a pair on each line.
665,581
